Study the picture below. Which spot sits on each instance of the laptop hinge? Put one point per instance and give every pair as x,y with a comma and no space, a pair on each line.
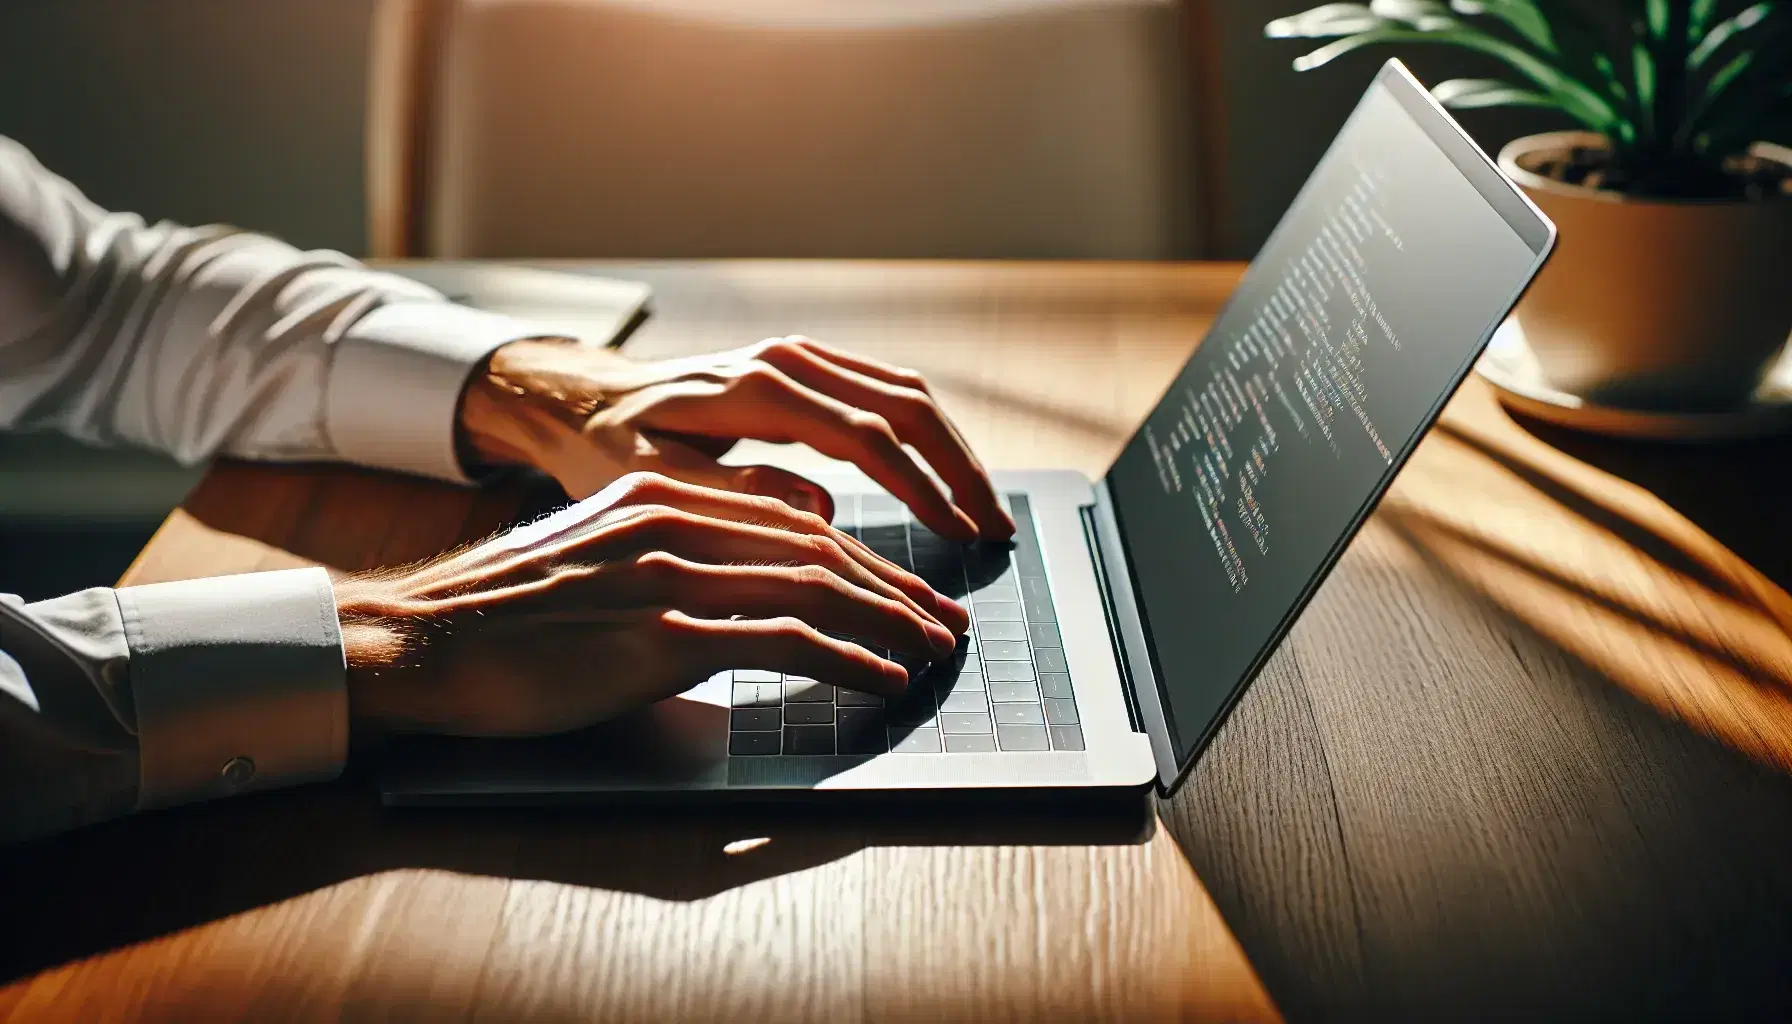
1104,583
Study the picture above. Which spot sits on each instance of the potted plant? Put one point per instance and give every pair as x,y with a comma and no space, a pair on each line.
1671,285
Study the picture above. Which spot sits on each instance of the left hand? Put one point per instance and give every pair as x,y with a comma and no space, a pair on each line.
588,416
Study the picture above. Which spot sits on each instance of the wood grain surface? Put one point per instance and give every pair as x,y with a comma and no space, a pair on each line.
1525,756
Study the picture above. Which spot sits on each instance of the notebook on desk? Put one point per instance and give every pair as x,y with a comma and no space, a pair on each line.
598,310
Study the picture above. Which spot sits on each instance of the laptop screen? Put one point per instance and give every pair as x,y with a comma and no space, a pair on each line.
1363,311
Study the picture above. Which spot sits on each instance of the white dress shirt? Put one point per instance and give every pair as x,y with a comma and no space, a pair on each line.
197,342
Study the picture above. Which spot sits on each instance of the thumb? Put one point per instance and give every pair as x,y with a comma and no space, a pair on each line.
682,462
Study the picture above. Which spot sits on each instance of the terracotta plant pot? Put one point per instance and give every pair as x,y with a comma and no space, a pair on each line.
1655,303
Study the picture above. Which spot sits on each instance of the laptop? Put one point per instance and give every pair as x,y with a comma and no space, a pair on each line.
1111,638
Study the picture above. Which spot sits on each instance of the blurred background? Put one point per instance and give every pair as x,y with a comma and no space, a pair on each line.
1147,129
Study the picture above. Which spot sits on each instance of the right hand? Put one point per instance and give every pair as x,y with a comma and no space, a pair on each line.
628,597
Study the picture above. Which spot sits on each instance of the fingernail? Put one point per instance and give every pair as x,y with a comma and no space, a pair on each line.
941,638
897,674
967,527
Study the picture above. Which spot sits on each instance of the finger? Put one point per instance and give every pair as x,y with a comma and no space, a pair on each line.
765,404
722,542
810,593
681,462
708,646
676,558
917,420
864,364
724,503
644,511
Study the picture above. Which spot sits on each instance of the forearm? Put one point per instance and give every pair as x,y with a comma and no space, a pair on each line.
114,701
205,341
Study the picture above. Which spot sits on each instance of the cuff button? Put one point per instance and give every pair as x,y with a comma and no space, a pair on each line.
237,772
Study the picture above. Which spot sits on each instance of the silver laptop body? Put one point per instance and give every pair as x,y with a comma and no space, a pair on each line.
1112,639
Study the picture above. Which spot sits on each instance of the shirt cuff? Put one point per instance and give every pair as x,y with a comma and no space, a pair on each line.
239,683
396,380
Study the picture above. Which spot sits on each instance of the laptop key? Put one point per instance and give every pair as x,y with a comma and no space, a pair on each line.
1050,659
994,593
1008,672
961,723
861,731
940,576
757,695
1066,737
1054,685
1035,593
912,708
807,739
883,534
753,744
964,744
808,691
1023,737
1060,712
756,720
1002,631
755,675
854,699
1044,634
923,541
808,714
996,611
964,700
1019,714
1013,693
972,685
881,508
914,741
1000,650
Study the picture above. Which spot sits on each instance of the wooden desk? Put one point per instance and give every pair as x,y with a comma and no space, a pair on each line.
1527,752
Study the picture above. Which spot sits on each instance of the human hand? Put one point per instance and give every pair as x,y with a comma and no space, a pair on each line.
623,599
588,416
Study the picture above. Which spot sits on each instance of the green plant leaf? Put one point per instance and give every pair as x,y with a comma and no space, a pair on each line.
1424,15
1521,16
1586,53
1570,95
1323,22
1656,11
1475,93
1642,67
1767,114
1727,74
1723,31
1713,92
1750,94
1697,18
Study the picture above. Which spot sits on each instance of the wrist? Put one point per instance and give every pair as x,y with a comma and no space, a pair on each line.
378,643
517,410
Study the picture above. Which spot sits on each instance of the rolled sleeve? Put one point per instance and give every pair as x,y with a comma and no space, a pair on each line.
396,380
239,683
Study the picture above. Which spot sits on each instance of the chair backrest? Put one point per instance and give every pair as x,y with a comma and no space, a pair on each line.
829,128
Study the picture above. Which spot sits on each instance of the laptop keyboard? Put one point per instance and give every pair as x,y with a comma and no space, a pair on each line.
1007,689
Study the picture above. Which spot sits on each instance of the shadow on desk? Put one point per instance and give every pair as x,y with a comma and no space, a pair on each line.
1561,785
127,881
